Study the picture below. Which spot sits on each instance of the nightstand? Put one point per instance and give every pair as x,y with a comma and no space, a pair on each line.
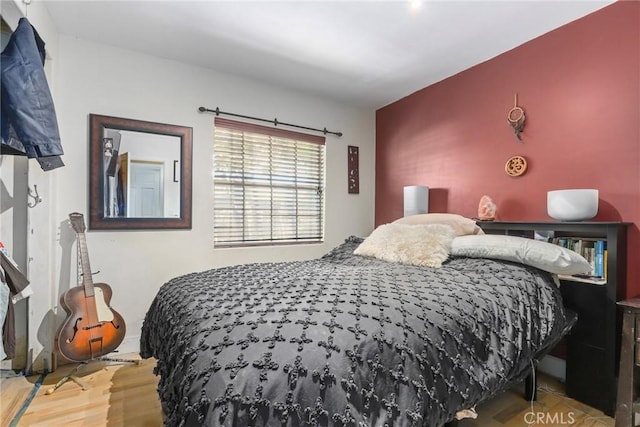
629,358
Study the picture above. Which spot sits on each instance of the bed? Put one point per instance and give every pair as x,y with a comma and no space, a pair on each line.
347,340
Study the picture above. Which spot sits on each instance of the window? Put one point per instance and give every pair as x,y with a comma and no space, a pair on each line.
268,185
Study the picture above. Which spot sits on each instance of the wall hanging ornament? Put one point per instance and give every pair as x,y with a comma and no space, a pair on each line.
516,166
353,174
516,117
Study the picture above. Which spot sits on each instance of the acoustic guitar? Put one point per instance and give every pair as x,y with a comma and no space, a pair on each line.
92,328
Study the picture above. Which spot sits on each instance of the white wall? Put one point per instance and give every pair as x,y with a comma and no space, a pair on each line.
34,326
136,263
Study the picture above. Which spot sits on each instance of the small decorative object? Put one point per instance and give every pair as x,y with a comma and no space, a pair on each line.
176,171
516,118
353,173
108,146
572,204
487,210
416,200
516,166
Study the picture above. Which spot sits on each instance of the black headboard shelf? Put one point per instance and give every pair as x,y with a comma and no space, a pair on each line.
592,347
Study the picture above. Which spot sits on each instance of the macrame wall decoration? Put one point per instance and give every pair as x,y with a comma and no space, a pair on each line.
516,118
516,165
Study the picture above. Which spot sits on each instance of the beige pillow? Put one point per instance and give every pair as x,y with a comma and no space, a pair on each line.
463,226
425,245
542,255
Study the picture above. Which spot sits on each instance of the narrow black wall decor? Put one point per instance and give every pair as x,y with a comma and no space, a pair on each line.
353,171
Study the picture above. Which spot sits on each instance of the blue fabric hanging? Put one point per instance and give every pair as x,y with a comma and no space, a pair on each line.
28,120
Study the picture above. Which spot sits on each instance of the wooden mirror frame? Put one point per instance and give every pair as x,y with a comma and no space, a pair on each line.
97,219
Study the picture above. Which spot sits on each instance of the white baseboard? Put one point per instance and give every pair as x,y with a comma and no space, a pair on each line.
554,367
130,344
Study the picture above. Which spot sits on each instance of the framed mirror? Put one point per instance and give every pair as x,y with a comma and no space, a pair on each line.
139,174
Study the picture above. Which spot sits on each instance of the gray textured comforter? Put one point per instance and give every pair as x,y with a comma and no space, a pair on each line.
346,340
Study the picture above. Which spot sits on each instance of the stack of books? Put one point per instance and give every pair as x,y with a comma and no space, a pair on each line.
594,251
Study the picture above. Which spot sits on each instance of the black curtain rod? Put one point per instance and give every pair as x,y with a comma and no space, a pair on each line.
274,122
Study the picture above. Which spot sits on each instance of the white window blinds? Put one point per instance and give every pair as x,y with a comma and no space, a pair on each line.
268,185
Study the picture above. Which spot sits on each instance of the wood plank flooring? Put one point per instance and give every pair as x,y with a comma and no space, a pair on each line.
552,408
13,392
117,395
125,395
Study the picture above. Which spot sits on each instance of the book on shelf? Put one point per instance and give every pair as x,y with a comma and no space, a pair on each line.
599,257
594,251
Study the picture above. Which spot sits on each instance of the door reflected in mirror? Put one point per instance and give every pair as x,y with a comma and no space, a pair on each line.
140,174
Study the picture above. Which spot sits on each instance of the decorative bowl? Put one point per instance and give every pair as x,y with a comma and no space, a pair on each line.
572,204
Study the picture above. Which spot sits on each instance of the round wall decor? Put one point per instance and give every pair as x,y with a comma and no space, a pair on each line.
516,166
516,118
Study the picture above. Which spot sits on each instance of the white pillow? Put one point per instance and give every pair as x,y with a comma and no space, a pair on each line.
460,224
424,245
543,255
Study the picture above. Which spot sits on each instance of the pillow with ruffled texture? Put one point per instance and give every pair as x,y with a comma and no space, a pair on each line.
542,255
462,225
423,245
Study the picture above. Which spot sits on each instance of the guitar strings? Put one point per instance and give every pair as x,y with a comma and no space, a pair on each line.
84,290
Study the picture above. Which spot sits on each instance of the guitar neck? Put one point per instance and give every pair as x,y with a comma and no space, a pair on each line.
87,279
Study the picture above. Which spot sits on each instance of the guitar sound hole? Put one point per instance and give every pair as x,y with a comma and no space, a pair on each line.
75,330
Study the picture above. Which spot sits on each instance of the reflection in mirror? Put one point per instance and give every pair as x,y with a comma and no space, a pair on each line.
140,174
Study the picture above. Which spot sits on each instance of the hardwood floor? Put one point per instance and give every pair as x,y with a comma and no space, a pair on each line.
125,395
13,392
552,408
117,395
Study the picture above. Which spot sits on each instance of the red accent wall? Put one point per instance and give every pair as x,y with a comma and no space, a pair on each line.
580,88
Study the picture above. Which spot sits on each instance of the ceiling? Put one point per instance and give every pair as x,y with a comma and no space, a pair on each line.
366,53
